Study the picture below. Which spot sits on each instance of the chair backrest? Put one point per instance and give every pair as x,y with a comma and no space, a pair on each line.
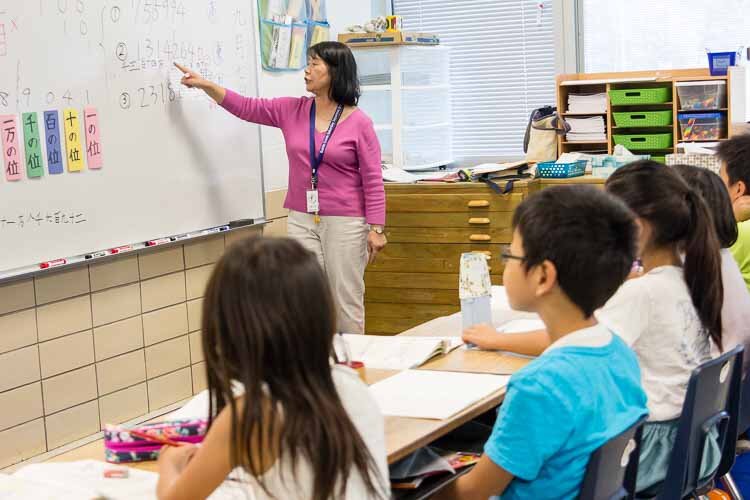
611,471
712,401
744,423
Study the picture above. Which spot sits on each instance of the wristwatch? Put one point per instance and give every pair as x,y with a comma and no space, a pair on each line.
377,229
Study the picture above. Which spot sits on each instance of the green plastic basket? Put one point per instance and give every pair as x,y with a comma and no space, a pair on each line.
636,142
624,97
643,118
659,159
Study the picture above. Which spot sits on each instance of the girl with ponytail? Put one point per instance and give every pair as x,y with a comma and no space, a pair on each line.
671,315
305,428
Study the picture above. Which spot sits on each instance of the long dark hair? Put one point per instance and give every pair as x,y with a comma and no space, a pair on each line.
342,67
716,196
678,216
268,323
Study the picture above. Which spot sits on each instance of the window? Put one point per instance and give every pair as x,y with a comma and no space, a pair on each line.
502,67
668,34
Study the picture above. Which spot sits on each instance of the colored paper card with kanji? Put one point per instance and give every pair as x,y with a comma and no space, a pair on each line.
93,141
32,145
12,163
73,143
52,138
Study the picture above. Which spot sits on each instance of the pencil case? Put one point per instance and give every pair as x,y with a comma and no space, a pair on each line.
122,447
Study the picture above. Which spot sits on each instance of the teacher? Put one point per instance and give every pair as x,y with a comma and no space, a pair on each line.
335,196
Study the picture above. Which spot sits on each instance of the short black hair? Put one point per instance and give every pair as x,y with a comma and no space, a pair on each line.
343,70
587,234
735,152
715,194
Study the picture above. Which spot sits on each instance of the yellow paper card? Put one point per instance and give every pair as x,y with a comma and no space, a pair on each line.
73,144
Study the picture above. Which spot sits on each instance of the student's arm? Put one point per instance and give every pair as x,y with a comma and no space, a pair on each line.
194,472
484,480
252,109
531,343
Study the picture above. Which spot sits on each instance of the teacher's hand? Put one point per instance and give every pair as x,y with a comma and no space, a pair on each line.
193,79
375,243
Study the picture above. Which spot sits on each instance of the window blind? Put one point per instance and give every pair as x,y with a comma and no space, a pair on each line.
502,67
645,35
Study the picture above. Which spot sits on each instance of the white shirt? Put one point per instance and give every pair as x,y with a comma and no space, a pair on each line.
735,314
368,420
654,314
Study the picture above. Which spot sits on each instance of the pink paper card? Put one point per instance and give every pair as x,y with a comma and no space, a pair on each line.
93,142
11,153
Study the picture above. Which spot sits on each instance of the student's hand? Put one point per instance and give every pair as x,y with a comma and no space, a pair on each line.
375,243
175,458
192,79
741,208
483,336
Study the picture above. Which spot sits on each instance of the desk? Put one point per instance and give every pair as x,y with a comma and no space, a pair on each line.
402,435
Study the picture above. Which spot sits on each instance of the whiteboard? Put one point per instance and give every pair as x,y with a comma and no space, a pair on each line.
172,161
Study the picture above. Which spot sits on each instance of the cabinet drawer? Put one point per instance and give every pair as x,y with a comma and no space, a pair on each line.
410,295
496,220
417,280
418,251
426,265
449,235
391,319
479,203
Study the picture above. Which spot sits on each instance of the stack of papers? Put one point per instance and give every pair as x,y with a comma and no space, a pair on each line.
586,129
433,394
587,103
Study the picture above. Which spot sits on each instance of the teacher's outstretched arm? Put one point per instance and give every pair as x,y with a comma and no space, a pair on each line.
192,79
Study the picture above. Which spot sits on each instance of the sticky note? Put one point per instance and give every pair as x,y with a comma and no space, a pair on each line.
32,145
93,142
11,151
52,137
73,143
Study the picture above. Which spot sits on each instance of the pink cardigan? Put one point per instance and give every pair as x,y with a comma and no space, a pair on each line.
350,180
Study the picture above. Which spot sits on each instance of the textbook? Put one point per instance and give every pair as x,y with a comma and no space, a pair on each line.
398,353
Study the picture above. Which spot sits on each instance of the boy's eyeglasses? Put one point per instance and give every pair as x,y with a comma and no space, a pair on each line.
506,256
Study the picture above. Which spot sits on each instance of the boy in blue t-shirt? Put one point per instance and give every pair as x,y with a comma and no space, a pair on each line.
572,248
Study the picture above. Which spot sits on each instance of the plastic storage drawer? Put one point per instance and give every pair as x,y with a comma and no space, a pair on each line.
643,118
702,126
702,95
624,97
643,141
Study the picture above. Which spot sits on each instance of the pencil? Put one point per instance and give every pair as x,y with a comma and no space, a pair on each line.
155,439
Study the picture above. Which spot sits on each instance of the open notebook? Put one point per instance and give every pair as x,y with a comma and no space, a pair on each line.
84,480
398,353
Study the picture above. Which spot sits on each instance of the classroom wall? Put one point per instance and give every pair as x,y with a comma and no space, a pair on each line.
341,13
111,342
103,343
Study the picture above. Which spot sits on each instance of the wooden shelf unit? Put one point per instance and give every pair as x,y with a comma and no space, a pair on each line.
604,82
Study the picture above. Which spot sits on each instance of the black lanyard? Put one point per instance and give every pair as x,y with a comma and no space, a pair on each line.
316,160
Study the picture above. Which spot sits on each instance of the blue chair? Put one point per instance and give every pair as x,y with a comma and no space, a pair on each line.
611,471
712,401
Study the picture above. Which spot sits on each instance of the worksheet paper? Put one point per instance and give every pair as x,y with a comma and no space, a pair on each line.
433,394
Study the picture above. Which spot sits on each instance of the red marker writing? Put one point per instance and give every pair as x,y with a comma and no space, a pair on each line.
160,241
123,248
52,263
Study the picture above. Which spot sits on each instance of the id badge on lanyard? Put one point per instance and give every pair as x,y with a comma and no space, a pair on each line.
313,203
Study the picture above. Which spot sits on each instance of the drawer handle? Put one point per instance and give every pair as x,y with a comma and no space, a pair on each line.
479,220
478,203
486,253
480,237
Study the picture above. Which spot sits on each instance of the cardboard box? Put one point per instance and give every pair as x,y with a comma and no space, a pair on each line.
388,38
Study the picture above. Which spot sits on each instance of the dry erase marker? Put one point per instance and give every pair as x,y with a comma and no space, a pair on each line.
95,255
180,237
214,230
123,248
52,263
160,241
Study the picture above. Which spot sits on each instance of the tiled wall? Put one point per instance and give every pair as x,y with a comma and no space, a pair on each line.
105,343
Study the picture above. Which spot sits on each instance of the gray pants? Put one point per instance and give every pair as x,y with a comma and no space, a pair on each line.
340,243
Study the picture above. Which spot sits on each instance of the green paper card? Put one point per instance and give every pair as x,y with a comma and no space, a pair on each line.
32,145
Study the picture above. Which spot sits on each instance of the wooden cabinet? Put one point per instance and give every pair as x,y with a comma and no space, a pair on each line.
428,227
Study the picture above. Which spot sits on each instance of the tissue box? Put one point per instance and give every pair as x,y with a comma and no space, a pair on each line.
710,162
